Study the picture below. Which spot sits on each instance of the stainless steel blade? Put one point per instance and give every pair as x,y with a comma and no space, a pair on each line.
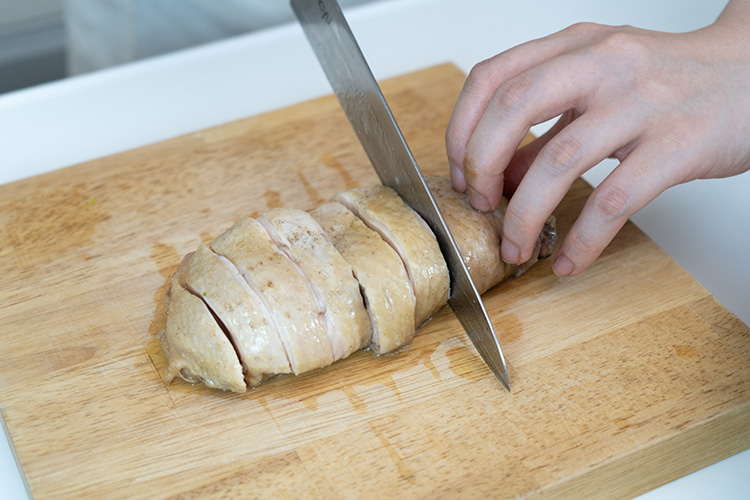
363,102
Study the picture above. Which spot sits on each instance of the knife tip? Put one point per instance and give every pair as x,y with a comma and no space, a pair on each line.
502,376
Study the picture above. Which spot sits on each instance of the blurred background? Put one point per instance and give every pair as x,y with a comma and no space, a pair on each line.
46,40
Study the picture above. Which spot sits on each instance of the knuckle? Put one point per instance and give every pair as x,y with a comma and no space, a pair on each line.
561,155
611,201
585,32
480,73
479,69
513,93
581,28
626,45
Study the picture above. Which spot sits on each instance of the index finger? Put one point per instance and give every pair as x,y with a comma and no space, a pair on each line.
532,97
487,76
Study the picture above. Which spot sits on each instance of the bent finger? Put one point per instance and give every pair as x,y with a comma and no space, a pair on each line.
526,100
575,149
525,155
487,76
639,179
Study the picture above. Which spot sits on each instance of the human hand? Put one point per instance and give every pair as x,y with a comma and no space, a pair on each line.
670,107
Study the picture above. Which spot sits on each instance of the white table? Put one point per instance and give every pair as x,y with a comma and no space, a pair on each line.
702,225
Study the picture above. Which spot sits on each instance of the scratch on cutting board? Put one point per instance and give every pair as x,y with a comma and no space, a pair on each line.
154,346
190,425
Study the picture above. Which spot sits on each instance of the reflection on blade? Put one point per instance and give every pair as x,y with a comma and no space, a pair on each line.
372,120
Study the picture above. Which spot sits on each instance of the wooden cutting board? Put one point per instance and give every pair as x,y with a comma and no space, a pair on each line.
624,378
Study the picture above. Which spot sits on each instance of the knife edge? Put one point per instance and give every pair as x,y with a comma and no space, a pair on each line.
371,118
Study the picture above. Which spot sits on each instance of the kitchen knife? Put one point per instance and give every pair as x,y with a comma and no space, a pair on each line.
363,102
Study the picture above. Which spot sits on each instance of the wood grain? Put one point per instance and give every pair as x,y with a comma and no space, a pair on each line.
624,378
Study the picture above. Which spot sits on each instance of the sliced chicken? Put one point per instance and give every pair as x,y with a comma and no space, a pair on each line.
380,272
284,291
196,347
329,275
382,210
239,310
295,291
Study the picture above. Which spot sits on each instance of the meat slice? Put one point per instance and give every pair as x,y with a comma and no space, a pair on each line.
476,234
330,276
382,210
196,347
294,291
283,290
380,272
238,308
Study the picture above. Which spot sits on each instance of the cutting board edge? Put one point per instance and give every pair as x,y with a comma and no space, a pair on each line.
624,481
14,452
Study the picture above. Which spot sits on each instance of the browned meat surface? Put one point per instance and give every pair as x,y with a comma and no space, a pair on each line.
476,235
379,271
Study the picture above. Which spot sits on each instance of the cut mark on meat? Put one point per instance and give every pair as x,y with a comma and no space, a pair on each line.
331,330
252,290
283,334
375,335
284,249
218,321
384,235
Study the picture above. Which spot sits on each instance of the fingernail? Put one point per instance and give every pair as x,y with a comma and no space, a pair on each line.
457,176
478,201
509,252
562,266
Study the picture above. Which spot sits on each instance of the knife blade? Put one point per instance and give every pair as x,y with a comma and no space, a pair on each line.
363,102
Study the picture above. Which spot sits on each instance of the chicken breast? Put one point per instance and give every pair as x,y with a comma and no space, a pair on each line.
239,311
476,235
382,210
284,291
329,275
294,291
380,272
195,346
